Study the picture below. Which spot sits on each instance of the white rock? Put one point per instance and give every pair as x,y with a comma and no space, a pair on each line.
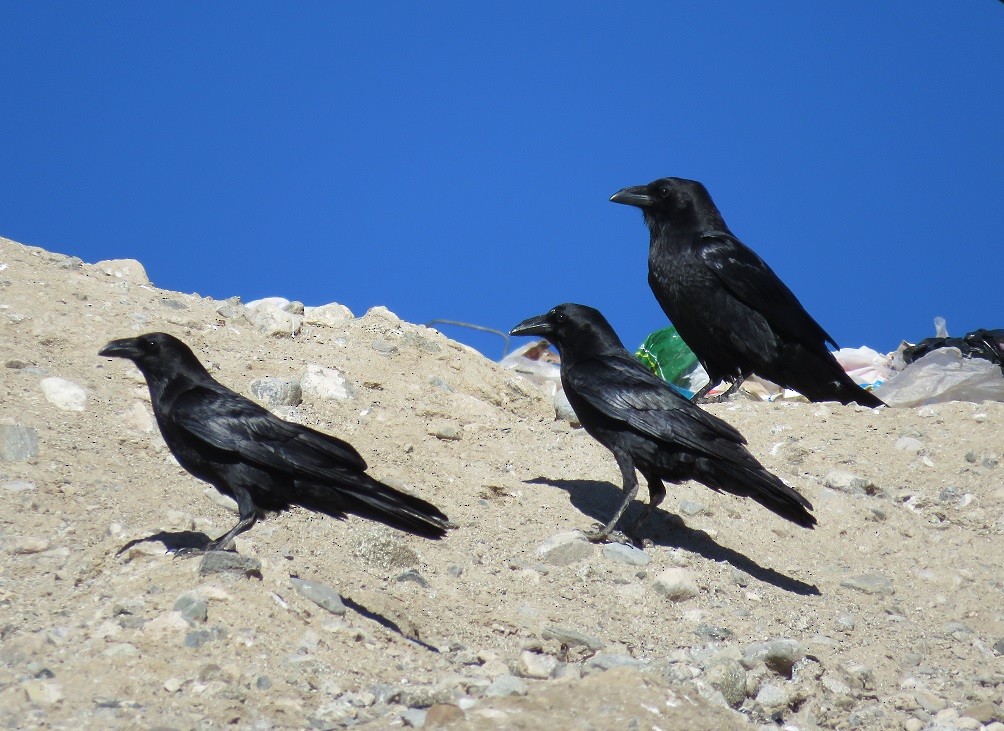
64,394
325,383
274,322
771,696
846,482
329,315
173,685
18,486
382,313
43,692
167,623
27,544
128,269
536,665
675,584
909,444
624,553
565,548
276,303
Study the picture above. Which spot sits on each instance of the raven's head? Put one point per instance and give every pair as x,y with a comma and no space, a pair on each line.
155,354
677,201
575,330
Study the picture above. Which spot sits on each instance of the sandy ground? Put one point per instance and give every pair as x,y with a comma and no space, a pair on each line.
889,615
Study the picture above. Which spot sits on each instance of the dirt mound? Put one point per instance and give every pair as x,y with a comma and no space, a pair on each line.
889,615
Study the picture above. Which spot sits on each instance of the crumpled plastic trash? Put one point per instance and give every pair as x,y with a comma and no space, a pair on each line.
987,344
538,363
667,356
944,375
943,368
868,367
938,372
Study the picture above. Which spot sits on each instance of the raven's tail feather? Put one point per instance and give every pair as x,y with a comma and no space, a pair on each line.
755,482
819,377
369,498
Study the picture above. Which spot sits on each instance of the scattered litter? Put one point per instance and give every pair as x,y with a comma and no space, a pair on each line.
943,368
538,363
937,369
668,357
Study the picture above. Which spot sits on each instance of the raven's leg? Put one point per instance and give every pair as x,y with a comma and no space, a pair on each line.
630,488
697,397
720,398
656,492
248,517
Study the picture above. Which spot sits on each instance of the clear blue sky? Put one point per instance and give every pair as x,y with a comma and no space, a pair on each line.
454,159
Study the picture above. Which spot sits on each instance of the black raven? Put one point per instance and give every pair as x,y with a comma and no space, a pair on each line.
727,304
262,462
649,426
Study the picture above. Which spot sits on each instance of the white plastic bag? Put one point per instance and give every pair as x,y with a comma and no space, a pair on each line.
944,375
866,366
538,363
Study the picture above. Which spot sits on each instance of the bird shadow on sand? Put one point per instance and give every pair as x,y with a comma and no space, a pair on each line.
385,622
599,500
174,541
195,541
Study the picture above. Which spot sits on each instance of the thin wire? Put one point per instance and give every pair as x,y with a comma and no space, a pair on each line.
482,328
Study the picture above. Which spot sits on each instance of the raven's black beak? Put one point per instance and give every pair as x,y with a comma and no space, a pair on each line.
636,195
124,348
537,325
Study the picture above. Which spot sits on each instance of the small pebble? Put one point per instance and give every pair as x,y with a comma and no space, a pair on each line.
772,696
623,553
18,486
321,594
27,544
871,583
173,685
504,686
64,394
226,562
572,638
676,584
193,608
690,508
565,548
18,443
536,665
447,433
845,622
413,576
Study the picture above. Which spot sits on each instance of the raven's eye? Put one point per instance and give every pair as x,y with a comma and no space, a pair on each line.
148,344
560,317
665,191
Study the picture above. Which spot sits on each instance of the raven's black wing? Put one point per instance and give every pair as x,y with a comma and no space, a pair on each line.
623,389
743,273
228,421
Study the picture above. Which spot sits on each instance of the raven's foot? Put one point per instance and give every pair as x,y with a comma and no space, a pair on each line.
721,398
216,545
188,551
603,535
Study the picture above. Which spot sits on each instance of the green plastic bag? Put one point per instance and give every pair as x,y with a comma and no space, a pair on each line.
668,357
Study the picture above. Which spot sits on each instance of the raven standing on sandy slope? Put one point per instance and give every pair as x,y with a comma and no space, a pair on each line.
647,425
727,304
264,463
